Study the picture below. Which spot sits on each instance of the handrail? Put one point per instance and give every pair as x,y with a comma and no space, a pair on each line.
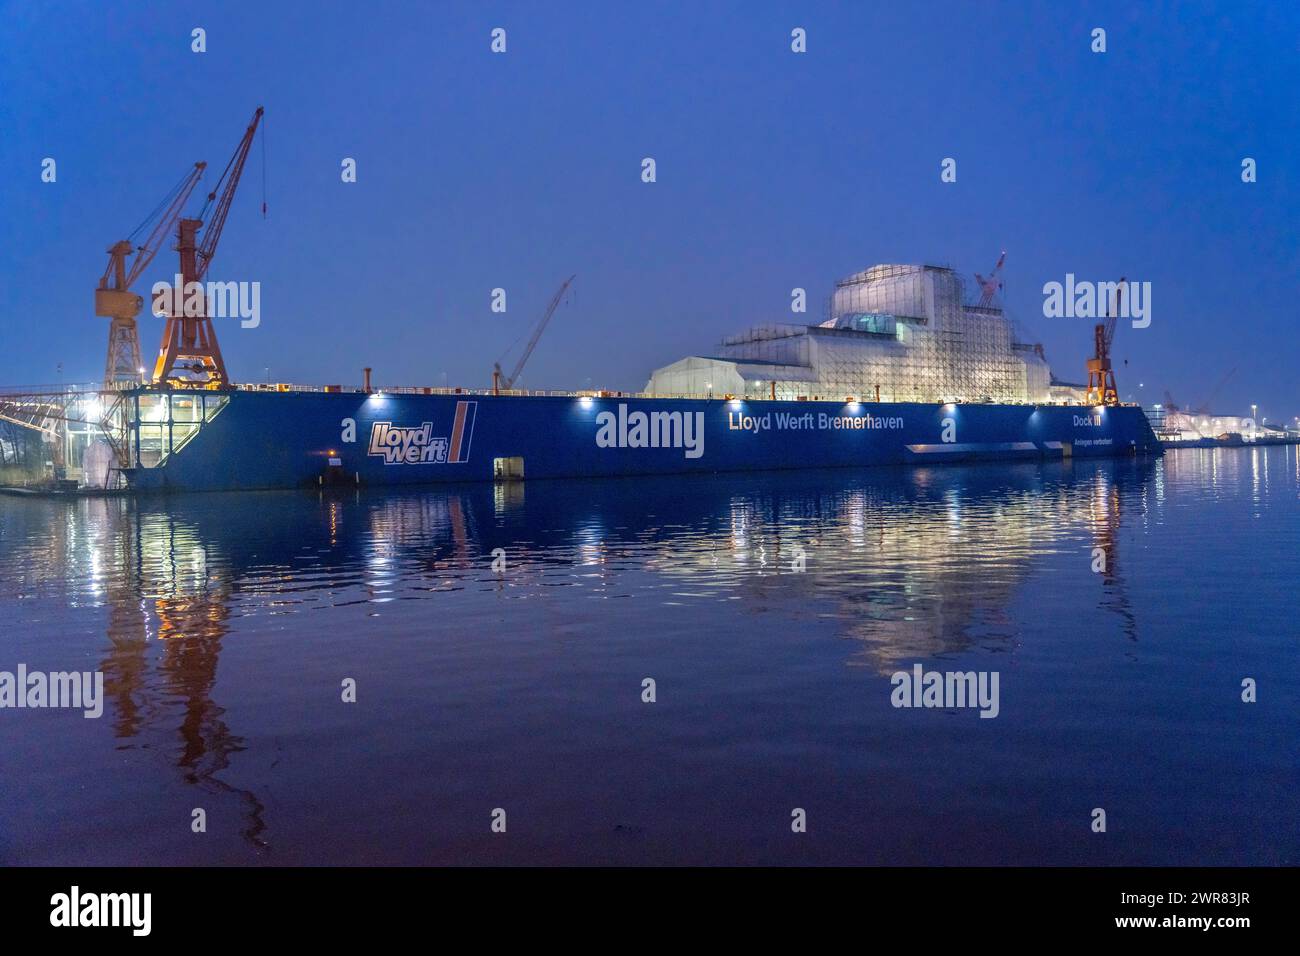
35,391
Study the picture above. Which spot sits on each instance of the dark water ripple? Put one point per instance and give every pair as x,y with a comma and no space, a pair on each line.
224,625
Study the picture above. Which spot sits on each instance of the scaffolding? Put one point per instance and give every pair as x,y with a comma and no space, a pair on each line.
65,435
72,437
895,333
943,348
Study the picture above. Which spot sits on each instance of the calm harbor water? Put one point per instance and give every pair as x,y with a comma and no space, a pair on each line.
225,624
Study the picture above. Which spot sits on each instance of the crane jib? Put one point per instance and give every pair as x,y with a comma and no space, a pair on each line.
537,334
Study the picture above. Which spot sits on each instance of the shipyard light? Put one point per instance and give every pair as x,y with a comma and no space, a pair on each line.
585,401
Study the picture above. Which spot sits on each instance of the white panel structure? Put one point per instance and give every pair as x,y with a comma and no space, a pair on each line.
896,333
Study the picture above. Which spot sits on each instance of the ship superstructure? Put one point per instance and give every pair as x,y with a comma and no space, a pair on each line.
895,333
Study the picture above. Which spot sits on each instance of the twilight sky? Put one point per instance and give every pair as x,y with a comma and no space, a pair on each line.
775,170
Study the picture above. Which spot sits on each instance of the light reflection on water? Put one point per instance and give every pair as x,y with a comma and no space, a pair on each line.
225,623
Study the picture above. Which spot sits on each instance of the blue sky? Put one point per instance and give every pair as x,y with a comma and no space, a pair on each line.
775,170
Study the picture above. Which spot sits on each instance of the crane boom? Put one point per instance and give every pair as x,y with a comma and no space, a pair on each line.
189,352
230,176
532,342
1112,318
117,301
145,252
1205,407
989,287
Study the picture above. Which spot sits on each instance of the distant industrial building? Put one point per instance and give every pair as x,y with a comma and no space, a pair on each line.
1192,426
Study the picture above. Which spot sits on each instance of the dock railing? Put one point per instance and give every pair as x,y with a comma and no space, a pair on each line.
31,392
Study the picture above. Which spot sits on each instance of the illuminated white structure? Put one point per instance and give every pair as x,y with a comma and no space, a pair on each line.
1191,426
897,333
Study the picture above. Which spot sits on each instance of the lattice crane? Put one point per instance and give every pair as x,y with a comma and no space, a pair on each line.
497,383
117,301
991,286
189,353
1101,377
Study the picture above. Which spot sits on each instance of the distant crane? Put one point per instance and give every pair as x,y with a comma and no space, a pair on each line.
1101,378
991,286
189,342
497,383
117,301
1214,393
1204,407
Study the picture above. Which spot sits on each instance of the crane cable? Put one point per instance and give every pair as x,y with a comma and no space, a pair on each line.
570,297
512,345
263,165
203,213
166,201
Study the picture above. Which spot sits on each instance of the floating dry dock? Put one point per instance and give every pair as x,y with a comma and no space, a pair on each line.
904,370
259,439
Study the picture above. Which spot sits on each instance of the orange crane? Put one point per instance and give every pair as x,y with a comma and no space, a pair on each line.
509,383
189,353
1101,377
117,301
991,286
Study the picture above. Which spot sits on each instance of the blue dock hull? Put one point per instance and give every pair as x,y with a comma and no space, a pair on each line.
296,439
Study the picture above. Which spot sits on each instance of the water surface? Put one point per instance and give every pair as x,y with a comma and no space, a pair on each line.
225,625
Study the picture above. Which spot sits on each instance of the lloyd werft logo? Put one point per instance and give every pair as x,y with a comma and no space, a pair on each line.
417,445
683,430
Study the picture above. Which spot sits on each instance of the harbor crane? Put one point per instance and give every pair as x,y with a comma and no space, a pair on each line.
992,285
116,300
1204,407
497,382
1101,377
189,353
